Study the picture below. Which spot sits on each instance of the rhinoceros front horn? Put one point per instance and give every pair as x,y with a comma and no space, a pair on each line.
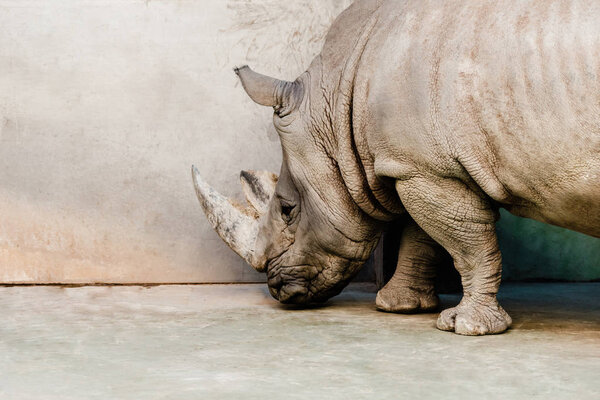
237,226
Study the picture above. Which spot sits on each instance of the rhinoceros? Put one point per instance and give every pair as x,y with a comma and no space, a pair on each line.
439,112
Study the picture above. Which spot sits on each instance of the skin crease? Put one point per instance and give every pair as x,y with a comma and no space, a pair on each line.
445,110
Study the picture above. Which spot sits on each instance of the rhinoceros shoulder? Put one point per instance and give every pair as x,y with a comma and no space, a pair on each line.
345,30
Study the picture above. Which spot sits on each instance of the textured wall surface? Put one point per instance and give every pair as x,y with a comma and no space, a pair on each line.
532,250
104,105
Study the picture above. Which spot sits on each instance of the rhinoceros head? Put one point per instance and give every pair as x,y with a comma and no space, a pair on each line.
302,228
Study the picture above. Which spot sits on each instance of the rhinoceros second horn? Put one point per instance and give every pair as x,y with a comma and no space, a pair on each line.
258,187
237,226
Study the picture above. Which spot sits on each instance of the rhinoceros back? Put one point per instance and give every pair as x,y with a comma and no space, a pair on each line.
500,93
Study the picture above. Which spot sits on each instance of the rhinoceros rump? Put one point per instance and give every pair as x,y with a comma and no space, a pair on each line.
439,112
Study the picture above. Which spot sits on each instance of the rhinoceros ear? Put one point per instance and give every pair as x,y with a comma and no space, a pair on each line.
283,96
258,187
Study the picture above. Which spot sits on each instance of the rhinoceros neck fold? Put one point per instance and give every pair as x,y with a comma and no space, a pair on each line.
374,196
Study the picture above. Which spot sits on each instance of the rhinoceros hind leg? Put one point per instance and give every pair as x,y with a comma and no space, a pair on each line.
411,289
463,222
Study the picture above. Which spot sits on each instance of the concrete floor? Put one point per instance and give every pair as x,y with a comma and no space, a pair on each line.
235,342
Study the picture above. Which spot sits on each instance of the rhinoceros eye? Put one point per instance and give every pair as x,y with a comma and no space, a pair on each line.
286,211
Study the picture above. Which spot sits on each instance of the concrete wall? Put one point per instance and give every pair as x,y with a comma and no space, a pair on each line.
104,105
532,250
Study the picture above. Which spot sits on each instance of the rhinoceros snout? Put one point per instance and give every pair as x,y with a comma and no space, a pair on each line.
293,294
287,292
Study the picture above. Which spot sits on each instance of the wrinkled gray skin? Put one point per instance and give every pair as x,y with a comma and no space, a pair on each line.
445,110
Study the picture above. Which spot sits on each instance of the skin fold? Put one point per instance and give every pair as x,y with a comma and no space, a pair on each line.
442,110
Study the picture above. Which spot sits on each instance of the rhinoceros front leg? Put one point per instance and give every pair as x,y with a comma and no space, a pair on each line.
411,289
463,222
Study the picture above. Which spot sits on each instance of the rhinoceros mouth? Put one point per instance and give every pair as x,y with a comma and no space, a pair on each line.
291,294
286,286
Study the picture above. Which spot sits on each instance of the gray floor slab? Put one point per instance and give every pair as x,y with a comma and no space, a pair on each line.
235,342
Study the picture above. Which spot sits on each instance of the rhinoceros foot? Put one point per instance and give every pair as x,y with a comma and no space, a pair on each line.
475,315
406,300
